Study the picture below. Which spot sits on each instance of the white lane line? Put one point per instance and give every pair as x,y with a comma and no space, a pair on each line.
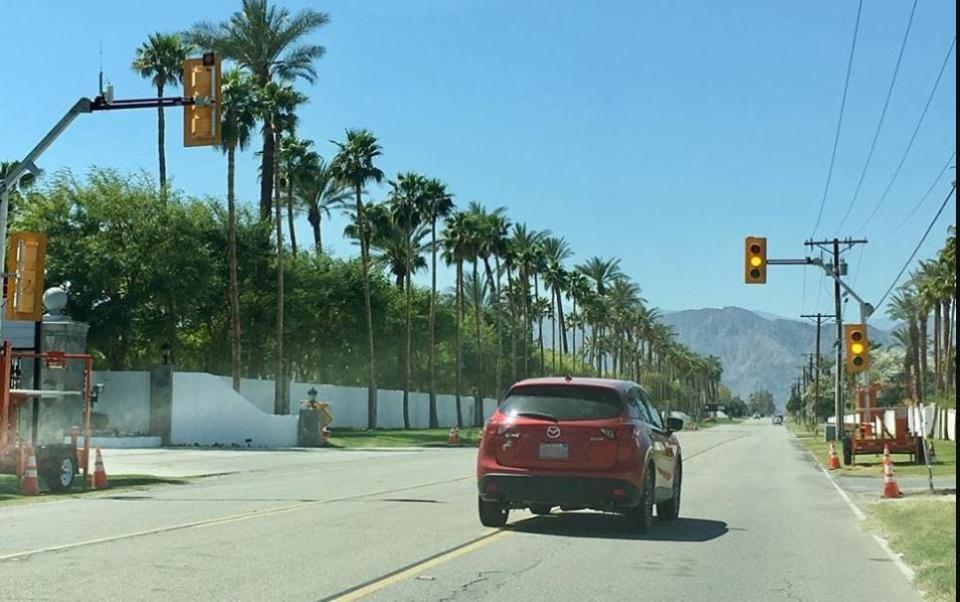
897,559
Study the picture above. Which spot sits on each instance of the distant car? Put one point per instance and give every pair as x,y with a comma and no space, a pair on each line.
778,419
579,443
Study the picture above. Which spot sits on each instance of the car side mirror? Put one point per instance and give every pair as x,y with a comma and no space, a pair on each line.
674,424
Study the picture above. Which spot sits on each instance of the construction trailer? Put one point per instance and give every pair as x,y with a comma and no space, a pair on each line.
873,433
57,463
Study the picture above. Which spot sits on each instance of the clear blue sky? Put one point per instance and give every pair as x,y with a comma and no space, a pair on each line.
658,132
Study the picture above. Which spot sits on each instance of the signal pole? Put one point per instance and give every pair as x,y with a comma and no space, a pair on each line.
835,273
816,374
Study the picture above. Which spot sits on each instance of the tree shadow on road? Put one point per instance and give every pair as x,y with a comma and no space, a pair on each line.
611,526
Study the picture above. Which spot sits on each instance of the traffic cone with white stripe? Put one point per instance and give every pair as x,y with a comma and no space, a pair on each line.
30,483
890,487
834,462
453,437
99,474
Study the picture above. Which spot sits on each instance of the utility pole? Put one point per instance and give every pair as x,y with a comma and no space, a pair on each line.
837,270
819,317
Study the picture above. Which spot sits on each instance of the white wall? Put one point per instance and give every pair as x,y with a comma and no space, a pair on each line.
207,411
125,400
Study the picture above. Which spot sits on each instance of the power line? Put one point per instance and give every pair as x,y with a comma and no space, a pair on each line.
843,102
883,115
923,199
919,244
913,136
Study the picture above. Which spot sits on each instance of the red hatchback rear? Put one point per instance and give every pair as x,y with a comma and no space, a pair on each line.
579,443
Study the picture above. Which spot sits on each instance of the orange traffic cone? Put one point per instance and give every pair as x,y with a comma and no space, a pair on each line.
453,437
30,484
834,462
890,487
99,474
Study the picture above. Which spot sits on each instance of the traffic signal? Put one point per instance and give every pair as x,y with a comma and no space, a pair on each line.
755,261
858,347
201,82
25,269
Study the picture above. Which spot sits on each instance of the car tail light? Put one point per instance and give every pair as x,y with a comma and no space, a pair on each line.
618,493
608,433
490,487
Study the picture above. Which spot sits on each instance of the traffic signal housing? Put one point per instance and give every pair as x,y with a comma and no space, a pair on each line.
201,82
857,346
755,260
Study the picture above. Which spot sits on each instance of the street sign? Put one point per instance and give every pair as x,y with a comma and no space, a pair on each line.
201,82
25,264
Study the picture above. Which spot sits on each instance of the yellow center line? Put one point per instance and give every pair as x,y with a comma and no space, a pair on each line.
418,567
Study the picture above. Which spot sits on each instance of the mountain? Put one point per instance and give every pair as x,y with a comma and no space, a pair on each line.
758,351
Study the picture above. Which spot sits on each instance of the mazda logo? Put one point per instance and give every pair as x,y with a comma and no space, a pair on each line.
553,432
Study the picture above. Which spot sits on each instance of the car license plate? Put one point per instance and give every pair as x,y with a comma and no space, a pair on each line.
554,451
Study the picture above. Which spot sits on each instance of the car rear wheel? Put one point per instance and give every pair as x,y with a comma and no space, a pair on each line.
640,518
670,509
541,509
493,514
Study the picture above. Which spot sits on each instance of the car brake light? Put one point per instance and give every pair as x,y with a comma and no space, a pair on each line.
608,433
618,493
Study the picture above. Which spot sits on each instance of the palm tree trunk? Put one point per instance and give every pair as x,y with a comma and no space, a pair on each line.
161,153
536,295
938,381
562,325
459,340
573,355
478,404
293,233
553,331
234,292
923,354
513,325
365,264
434,419
279,401
314,218
949,318
409,347
496,294
266,171
526,323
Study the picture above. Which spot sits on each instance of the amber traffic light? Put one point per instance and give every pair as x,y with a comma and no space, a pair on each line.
201,82
857,346
755,260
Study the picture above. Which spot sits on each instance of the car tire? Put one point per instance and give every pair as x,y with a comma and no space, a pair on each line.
541,509
847,451
640,518
670,509
492,514
59,474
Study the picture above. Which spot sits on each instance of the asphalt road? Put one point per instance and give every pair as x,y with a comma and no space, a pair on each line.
759,521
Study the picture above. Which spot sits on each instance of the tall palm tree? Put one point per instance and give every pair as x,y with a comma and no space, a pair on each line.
904,307
269,42
556,250
477,224
456,246
298,163
320,192
578,289
407,198
278,106
437,205
525,251
239,115
354,166
160,59
496,244
603,272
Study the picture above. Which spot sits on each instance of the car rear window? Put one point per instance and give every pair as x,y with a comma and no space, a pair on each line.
564,402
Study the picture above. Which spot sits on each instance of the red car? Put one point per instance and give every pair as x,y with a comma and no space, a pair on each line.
579,443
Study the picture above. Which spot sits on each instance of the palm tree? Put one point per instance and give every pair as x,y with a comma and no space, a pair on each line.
297,163
904,307
278,106
407,198
556,250
477,224
239,114
160,59
578,289
525,250
603,272
456,247
496,244
320,192
269,42
354,166
437,205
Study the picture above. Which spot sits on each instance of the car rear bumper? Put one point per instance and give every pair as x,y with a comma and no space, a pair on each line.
572,491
